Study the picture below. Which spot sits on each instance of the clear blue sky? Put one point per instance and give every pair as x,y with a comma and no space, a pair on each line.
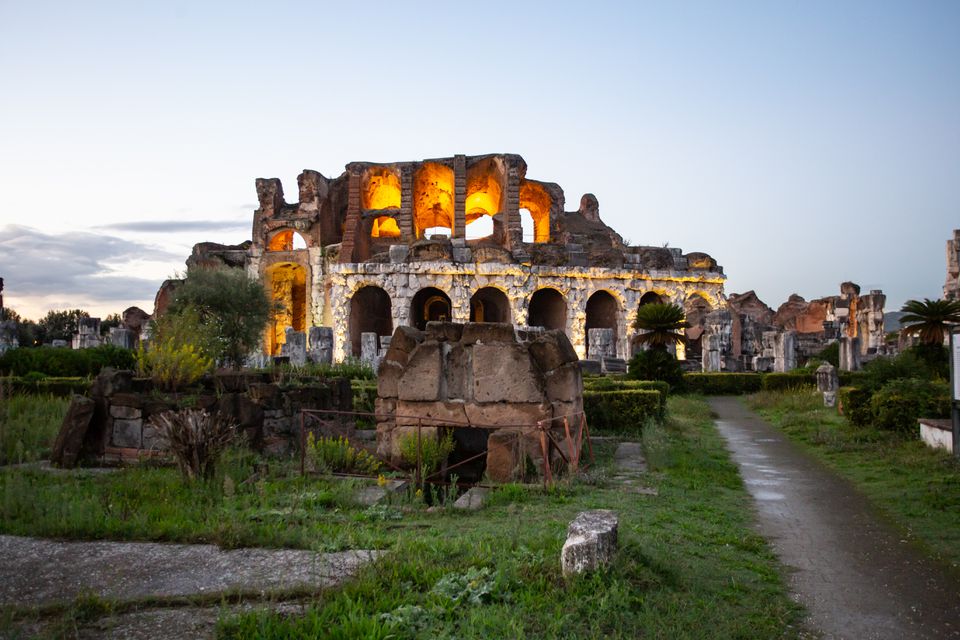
799,143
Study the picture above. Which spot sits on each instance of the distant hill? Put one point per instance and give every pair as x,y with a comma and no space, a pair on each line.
891,320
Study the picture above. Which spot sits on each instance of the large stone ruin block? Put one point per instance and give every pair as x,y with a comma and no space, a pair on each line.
88,333
591,541
369,349
122,337
602,344
785,351
483,375
850,354
295,347
321,345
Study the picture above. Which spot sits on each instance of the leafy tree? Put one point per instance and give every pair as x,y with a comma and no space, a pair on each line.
233,309
28,333
661,323
930,319
60,325
111,321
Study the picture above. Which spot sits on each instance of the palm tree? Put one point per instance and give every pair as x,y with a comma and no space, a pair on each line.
930,319
661,324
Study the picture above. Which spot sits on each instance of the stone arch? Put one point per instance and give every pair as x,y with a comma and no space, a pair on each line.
384,227
537,202
370,311
429,304
287,285
652,297
286,240
381,189
602,312
490,304
432,198
547,308
696,306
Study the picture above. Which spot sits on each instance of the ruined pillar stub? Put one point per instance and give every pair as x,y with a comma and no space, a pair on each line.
122,337
602,344
785,352
459,196
295,347
321,345
369,348
405,217
850,353
711,353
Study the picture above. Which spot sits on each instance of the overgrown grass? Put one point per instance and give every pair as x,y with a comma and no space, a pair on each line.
916,487
28,425
689,565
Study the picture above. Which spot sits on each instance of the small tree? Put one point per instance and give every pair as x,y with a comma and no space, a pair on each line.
930,319
60,325
661,324
233,307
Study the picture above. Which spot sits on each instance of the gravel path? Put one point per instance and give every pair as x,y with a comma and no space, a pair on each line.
854,573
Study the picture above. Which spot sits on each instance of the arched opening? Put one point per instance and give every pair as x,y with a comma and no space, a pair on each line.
429,305
432,199
548,309
370,311
385,227
535,199
381,189
286,240
489,304
527,226
602,313
651,297
480,227
695,307
287,283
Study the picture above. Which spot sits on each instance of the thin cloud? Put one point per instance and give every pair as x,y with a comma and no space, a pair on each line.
175,226
75,265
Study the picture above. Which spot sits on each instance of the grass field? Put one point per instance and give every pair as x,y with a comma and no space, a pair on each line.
914,486
689,565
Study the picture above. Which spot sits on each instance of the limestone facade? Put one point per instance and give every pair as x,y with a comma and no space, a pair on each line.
393,244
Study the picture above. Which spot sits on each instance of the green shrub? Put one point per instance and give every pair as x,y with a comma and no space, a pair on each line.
899,403
433,451
719,384
787,381
174,366
623,410
830,353
59,387
654,364
908,364
854,403
337,455
65,362
852,378
620,384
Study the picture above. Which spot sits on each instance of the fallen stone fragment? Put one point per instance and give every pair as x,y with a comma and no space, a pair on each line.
472,500
374,494
591,541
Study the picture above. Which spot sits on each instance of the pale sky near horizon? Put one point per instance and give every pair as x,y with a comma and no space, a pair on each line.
801,144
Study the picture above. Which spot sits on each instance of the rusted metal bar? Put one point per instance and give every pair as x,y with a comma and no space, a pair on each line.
571,447
454,466
303,446
419,453
557,445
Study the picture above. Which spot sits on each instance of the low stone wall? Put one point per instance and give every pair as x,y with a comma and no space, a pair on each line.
486,375
937,434
267,413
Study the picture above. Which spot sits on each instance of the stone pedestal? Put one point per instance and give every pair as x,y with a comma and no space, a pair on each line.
785,352
295,347
602,344
321,345
369,349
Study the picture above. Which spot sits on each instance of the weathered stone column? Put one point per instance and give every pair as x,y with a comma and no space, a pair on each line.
827,383
405,217
459,196
849,353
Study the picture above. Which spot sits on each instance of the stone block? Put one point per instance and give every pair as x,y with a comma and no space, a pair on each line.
504,460
127,433
591,541
507,414
127,399
564,383
552,349
151,439
73,430
295,347
473,499
388,379
456,367
321,345
503,373
444,331
432,413
590,366
421,380
124,412
488,333
399,253
613,365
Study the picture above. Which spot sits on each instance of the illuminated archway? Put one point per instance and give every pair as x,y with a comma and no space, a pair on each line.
428,305
535,199
286,240
489,304
370,311
287,283
432,198
548,309
651,297
385,227
695,308
603,312
381,189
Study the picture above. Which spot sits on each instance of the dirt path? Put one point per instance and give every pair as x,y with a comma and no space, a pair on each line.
854,573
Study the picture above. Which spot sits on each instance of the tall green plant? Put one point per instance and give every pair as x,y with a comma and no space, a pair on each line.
661,324
234,307
930,319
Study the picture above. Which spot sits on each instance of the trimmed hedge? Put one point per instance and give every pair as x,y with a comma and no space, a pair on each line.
623,384
897,405
625,410
854,403
64,362
721,384
60,387
787,381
